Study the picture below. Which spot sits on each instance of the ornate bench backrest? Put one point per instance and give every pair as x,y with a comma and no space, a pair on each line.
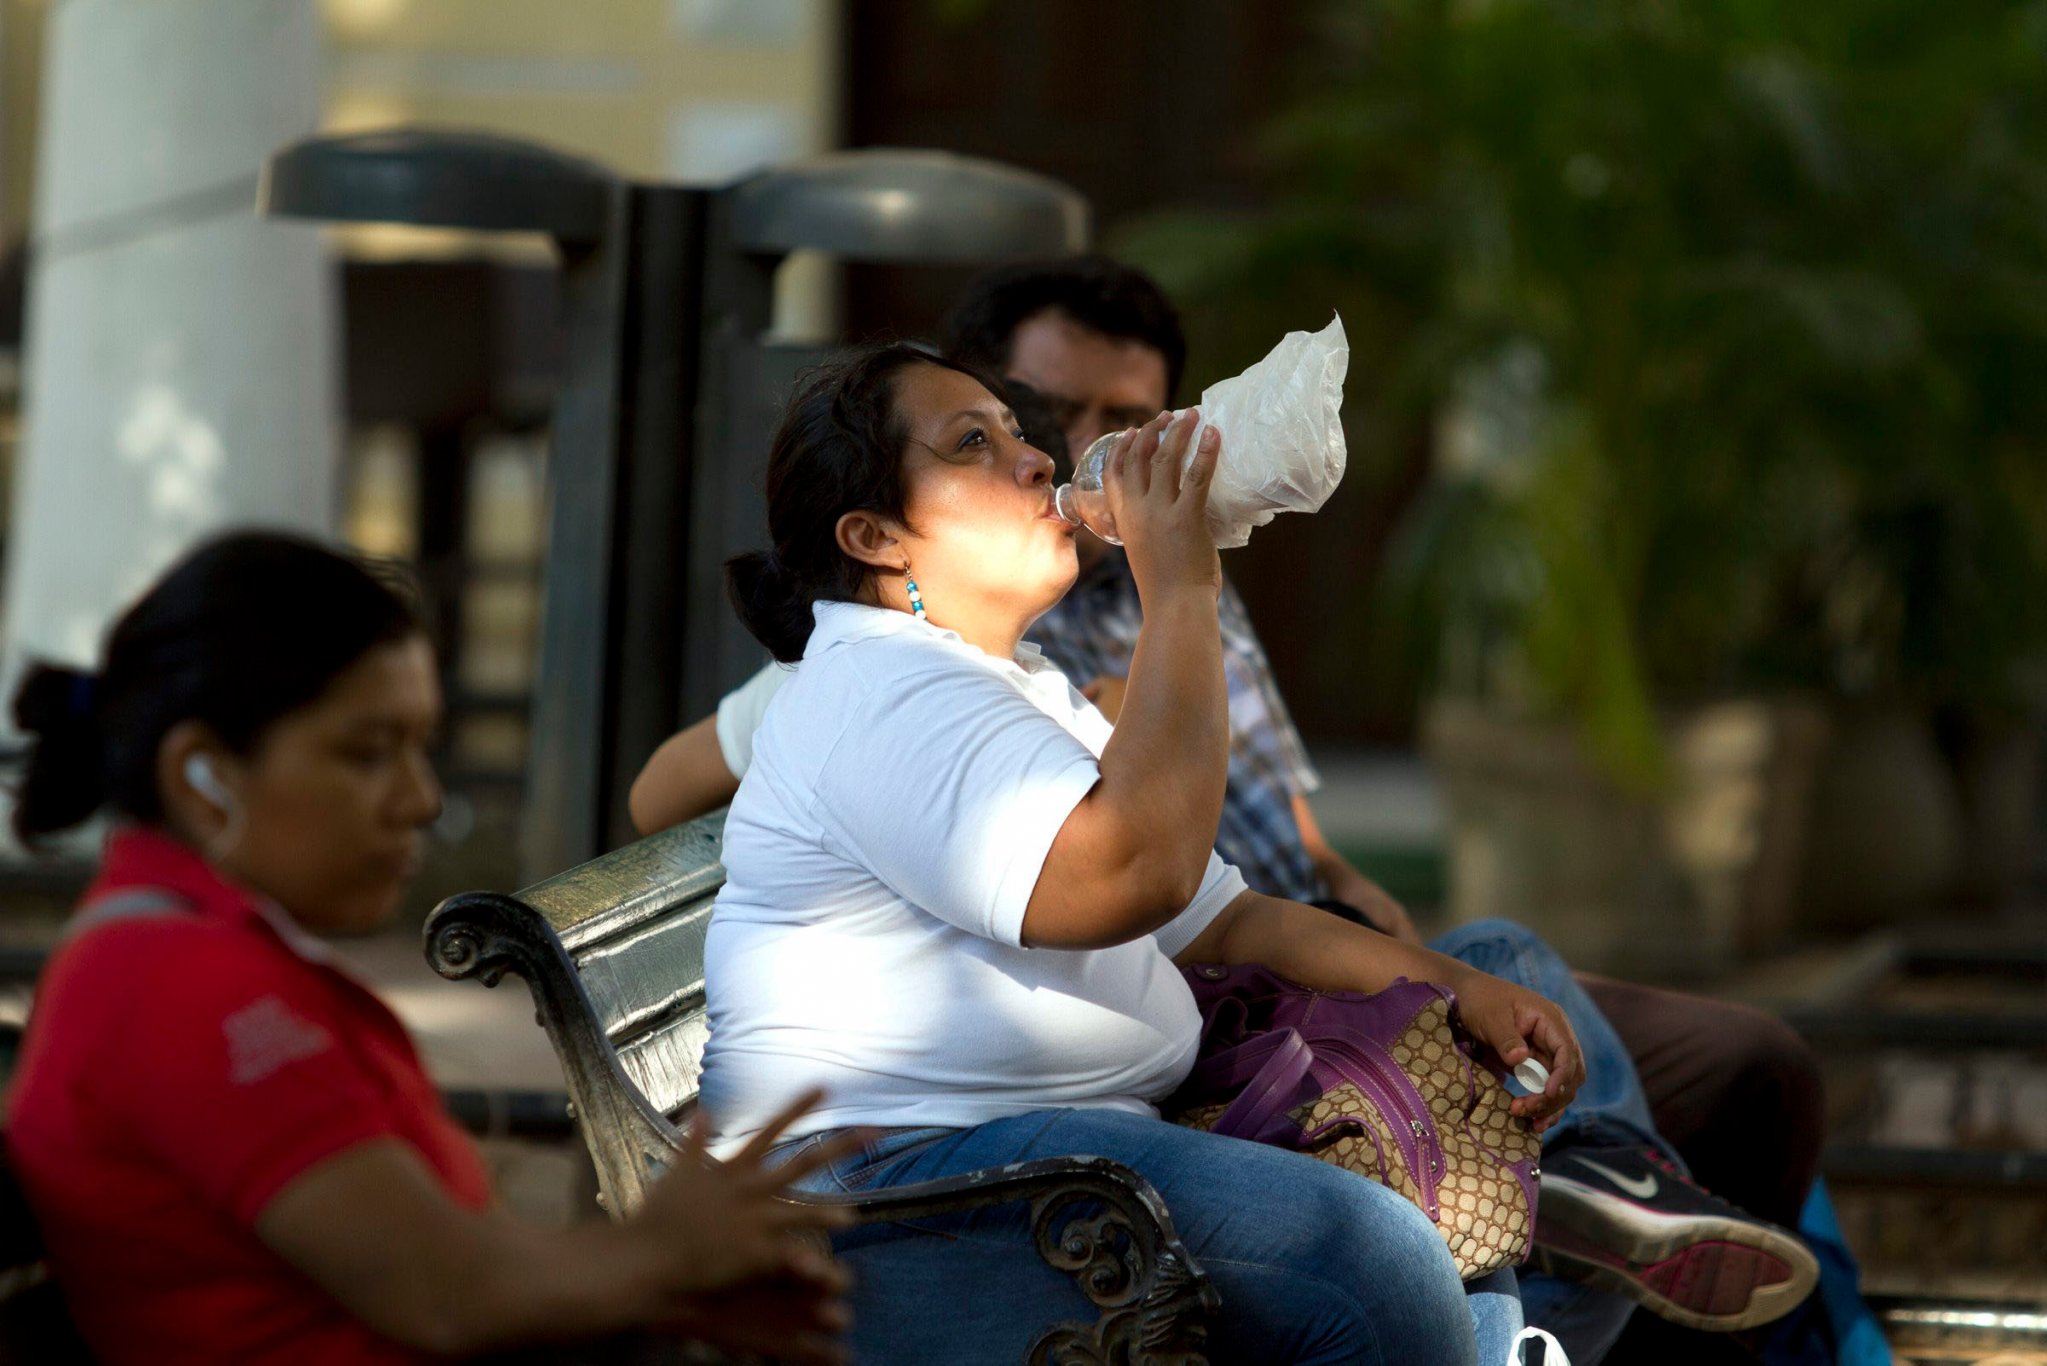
613,951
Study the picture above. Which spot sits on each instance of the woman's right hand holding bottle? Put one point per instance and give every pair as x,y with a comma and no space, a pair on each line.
1159,498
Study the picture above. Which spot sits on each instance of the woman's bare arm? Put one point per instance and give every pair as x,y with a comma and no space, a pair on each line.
375,1229
686,778
1327,952
1132,853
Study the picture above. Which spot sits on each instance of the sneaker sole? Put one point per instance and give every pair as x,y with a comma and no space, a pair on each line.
1697,1271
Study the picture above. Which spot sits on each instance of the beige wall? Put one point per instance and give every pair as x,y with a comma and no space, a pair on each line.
21,65
686,90
654,88
637,84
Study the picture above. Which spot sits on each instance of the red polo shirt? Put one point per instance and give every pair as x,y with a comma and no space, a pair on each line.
181,1067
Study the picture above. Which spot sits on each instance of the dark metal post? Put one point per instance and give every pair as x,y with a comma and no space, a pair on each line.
745,381
644,661
586,483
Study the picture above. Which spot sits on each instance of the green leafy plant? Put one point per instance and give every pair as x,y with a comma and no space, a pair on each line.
1773,280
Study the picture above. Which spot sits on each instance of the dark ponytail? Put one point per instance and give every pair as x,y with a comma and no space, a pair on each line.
66,779
242,631
839,449
771,603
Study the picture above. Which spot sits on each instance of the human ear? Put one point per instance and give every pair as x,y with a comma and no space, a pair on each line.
870,539
196,781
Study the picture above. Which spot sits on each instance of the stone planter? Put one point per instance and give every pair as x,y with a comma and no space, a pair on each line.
1997,777
1886,838
1915,815
1672,886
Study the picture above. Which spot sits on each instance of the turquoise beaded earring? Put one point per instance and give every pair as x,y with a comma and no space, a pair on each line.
916,598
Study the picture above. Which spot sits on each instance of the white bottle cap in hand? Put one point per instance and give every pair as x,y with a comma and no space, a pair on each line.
1532,1075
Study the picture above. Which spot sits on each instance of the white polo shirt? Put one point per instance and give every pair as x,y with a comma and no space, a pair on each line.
904,790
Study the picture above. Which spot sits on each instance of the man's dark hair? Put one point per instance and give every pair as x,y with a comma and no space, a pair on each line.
1039,425
1116,300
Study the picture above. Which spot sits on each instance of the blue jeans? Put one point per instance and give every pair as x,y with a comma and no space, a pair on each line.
1313,1263
1610,1109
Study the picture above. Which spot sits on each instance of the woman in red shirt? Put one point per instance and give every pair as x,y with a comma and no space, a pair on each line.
229,1142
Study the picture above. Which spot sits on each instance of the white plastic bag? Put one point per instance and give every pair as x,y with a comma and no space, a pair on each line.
1519,1355
1282,432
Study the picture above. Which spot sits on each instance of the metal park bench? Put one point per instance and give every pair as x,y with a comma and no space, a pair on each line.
613,952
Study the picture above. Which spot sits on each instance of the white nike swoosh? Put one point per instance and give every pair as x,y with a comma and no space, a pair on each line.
1642,1188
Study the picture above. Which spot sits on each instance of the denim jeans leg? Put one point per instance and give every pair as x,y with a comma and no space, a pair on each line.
1314,1264
1587,1321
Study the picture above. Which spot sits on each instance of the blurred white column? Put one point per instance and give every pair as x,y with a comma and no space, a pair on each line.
181,353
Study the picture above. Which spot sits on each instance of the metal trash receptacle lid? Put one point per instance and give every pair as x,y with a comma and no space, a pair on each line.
438,178
902,204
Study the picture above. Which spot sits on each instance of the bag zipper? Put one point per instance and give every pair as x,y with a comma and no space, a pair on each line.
1388,1086
1402,1102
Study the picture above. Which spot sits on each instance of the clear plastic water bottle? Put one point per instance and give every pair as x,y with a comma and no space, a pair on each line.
1084,502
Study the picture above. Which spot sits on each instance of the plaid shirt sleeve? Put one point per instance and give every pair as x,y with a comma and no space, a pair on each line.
1259,720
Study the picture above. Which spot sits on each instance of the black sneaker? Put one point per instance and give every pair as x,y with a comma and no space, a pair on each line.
1626,1220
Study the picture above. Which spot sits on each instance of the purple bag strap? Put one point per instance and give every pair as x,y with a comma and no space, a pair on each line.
1272,1071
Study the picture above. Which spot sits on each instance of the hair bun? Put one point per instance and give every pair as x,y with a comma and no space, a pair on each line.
65,780
771,603
55,700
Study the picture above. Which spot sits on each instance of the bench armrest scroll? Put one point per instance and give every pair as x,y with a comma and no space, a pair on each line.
487,934
1099,1222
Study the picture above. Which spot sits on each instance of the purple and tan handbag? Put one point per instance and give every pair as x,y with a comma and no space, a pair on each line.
1382,1084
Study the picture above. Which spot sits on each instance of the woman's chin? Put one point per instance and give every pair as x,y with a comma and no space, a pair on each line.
1066,568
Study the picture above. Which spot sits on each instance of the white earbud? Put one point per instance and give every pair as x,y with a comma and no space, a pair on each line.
199,773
